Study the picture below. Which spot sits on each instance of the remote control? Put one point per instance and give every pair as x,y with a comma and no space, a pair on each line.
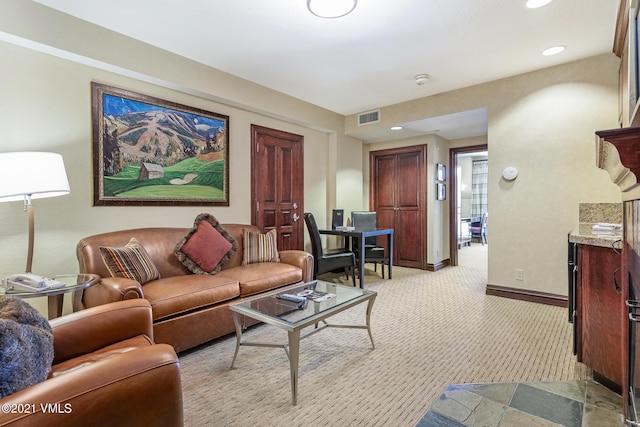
292,298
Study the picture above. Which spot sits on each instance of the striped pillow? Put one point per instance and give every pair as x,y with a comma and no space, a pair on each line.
131,262
260,247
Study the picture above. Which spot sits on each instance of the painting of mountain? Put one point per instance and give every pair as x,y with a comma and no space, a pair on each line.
152,151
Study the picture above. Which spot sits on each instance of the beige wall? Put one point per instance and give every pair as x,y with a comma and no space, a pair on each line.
46,106
543,123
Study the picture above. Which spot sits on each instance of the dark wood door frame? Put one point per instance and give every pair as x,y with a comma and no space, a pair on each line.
453,197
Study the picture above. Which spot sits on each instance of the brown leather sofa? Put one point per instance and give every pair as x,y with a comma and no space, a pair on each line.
106,371
188,309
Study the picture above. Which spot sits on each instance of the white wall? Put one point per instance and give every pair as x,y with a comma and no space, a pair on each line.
543,123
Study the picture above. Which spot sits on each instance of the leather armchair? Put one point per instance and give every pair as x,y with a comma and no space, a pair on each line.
106,371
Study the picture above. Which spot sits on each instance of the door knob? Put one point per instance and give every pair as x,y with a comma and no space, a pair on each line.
295,205
296,217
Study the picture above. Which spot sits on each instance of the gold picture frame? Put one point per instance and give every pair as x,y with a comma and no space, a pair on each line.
150,151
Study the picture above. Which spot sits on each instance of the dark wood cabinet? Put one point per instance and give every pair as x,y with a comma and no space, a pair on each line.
618,152
398,195
600,314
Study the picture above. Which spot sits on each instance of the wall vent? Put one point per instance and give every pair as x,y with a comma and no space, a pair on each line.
368,117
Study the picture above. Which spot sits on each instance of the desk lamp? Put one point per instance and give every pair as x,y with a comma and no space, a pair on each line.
31,175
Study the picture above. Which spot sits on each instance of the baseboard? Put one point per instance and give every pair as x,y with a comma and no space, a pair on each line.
435,267
527,295
611,385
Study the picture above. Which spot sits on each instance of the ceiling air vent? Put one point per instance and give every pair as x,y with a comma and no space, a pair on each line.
368,117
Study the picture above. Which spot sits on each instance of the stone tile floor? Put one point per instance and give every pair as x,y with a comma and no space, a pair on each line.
536,404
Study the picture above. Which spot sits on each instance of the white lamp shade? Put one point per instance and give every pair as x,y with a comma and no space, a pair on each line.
35,174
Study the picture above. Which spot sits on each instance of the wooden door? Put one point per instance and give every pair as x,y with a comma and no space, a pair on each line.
384,195
277,185
398,195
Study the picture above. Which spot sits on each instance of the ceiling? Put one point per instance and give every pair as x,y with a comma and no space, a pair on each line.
369,58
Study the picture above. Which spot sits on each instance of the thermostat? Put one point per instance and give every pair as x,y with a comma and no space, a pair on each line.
510,173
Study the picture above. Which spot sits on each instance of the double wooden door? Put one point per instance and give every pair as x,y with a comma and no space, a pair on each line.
398,194
277,185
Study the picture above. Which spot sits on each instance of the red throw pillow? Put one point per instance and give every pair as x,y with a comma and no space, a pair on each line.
205,248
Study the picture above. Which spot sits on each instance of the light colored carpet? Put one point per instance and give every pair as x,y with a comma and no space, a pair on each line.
431,329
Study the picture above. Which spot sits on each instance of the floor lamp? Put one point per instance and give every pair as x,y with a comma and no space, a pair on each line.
31,175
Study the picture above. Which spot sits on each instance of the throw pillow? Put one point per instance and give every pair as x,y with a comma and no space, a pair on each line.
260,247
132,262
207,246
26,346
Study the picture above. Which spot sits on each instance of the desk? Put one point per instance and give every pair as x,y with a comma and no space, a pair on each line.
359,237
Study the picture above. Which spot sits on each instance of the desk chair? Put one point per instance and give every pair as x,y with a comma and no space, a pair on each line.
368,221
329,261
479,229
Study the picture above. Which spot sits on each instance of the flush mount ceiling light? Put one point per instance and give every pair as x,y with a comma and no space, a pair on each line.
422,79
553,50
331,8
533,4
396,127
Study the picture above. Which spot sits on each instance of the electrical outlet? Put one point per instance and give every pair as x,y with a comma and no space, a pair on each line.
519,274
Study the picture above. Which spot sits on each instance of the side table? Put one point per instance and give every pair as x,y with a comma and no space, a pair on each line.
75,283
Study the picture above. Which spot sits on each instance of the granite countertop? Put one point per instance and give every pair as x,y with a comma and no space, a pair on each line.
583,235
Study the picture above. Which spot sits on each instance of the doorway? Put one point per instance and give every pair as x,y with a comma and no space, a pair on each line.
460,210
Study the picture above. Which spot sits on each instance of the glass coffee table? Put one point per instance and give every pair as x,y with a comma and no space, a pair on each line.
323,300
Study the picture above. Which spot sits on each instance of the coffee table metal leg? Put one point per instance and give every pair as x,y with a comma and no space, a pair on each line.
369,308
236,321
294,354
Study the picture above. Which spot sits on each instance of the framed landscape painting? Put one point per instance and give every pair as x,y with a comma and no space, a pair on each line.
148,151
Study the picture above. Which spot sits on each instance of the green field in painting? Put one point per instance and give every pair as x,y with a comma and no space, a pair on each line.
174,192
208,184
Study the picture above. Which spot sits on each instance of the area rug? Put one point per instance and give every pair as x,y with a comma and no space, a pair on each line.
431,329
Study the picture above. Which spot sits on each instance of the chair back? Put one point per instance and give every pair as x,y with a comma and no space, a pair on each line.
314,234
365,221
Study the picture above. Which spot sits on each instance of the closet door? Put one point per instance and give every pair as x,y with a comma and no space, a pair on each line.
398,195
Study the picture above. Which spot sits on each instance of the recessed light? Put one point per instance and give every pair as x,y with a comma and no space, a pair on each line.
331,8
396,127
553,50
532,4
